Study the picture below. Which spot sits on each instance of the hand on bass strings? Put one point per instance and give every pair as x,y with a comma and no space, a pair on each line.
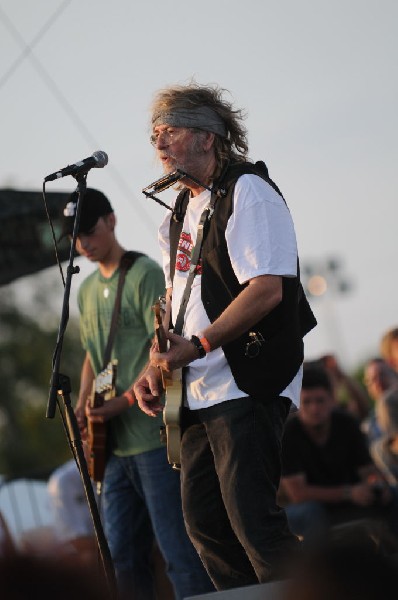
111,408
148,390
81,421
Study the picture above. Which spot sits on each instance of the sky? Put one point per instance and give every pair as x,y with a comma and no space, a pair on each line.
316,78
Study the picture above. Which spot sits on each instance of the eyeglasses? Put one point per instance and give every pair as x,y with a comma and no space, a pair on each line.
169,135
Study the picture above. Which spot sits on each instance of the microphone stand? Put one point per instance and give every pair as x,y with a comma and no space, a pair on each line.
60,389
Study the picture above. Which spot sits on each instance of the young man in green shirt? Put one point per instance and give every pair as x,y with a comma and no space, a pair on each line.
141,492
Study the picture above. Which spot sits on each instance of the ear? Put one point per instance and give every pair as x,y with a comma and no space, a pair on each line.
111,220
208,140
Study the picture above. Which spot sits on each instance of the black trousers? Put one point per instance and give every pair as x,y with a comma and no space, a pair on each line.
230,473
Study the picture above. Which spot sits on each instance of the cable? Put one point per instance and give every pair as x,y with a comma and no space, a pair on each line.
27,47
69,110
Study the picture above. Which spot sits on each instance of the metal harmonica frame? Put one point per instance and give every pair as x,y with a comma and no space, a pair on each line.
167,181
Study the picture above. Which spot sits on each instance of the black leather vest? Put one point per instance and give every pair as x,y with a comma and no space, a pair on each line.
265,359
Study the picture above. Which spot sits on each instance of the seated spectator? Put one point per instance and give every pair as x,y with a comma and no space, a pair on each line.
379,377
347,391
389,347
384,450
73,526
328,476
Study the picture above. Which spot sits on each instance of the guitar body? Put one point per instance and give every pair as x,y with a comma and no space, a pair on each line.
103,389
172,416
172,384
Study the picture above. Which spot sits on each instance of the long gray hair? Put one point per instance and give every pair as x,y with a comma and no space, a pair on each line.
233,146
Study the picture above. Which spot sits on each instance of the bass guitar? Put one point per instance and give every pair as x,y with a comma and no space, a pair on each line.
104,388
172,385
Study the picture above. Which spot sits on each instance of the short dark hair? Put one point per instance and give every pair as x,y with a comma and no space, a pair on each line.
315,376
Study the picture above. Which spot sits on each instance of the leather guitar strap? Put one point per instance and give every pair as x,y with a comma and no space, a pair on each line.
126,262
195,258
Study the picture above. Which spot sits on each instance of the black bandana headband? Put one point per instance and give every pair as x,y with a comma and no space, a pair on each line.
199,117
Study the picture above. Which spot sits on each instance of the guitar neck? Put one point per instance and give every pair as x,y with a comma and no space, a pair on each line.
104,385
159,328
103,389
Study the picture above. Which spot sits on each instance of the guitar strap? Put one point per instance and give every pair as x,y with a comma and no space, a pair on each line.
195,258
216,192
126,262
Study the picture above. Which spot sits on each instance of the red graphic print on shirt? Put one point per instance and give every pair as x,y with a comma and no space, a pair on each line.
184,253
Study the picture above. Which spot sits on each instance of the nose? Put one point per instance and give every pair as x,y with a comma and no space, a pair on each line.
162,140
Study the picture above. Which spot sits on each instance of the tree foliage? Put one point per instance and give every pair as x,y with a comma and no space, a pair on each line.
31,445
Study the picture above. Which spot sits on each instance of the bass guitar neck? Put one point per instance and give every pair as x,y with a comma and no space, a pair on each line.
172,385
104,388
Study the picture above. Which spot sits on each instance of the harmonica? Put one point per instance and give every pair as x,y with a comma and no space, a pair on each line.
163,183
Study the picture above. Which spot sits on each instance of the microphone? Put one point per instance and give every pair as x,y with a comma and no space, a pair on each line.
97,161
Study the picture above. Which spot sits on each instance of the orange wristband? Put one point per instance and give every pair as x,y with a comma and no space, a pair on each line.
130,397
205,344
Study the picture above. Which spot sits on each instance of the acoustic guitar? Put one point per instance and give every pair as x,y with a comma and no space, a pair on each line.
172,385
104,388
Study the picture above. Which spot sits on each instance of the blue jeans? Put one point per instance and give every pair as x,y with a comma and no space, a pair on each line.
141,498
312,519
231,466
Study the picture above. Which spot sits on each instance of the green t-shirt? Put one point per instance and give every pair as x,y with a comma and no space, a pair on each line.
131,432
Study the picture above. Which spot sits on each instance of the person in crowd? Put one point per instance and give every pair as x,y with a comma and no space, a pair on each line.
384,450
73,526
328,474
141,497
389,347
237,333
379,377
347,390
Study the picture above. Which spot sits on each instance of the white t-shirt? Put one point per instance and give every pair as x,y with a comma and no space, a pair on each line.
261,241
